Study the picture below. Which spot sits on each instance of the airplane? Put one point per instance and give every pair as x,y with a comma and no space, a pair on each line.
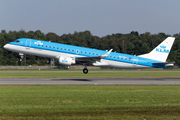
70,55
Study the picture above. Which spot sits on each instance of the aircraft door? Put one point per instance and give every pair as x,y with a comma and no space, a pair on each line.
135,61
28,44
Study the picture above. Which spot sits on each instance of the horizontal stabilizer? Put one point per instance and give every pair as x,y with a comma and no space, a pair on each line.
164,63
168,64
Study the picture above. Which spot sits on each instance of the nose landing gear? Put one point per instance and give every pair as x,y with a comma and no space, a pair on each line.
22,55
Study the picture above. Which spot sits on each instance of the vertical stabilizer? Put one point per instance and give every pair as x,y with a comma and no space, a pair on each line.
161,52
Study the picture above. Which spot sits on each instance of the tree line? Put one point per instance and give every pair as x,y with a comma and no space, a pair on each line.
132,43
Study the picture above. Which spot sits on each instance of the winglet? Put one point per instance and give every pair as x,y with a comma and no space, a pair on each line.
106,55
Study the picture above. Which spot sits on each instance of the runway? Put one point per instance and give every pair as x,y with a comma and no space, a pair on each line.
90,81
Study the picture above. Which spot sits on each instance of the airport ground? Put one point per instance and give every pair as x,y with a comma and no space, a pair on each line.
107,73
70,94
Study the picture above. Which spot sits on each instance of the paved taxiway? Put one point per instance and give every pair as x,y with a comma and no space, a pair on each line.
90,81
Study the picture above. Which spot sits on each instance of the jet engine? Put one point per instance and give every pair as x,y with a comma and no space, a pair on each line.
63,60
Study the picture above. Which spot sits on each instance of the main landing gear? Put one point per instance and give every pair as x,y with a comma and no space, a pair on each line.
85,70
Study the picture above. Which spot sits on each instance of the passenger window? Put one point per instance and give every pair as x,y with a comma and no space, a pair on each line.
57,48
68,49
42,45
49,46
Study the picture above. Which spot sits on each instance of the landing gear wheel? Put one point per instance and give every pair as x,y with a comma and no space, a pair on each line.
85,70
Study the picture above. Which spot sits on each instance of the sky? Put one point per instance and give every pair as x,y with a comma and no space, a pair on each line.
100,17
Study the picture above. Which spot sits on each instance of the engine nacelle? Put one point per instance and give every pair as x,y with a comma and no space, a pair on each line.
63,60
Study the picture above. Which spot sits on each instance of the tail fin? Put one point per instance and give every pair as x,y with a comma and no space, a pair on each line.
161,52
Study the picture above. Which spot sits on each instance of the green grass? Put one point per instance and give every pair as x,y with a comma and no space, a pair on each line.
90,102
91,74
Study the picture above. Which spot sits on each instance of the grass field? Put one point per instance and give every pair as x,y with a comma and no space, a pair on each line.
91,74
90,102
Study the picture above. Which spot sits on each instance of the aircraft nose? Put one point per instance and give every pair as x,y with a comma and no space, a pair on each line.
6,46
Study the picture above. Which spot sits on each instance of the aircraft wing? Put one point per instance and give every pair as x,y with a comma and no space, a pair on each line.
86,60
90,60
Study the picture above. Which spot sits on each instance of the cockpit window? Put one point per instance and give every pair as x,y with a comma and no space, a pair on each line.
16,41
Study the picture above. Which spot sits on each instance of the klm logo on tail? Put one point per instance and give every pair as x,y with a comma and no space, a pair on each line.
162,49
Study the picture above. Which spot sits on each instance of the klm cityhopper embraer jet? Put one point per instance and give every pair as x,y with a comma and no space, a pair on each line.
69,54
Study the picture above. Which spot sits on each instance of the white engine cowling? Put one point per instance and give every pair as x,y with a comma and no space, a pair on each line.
63,60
